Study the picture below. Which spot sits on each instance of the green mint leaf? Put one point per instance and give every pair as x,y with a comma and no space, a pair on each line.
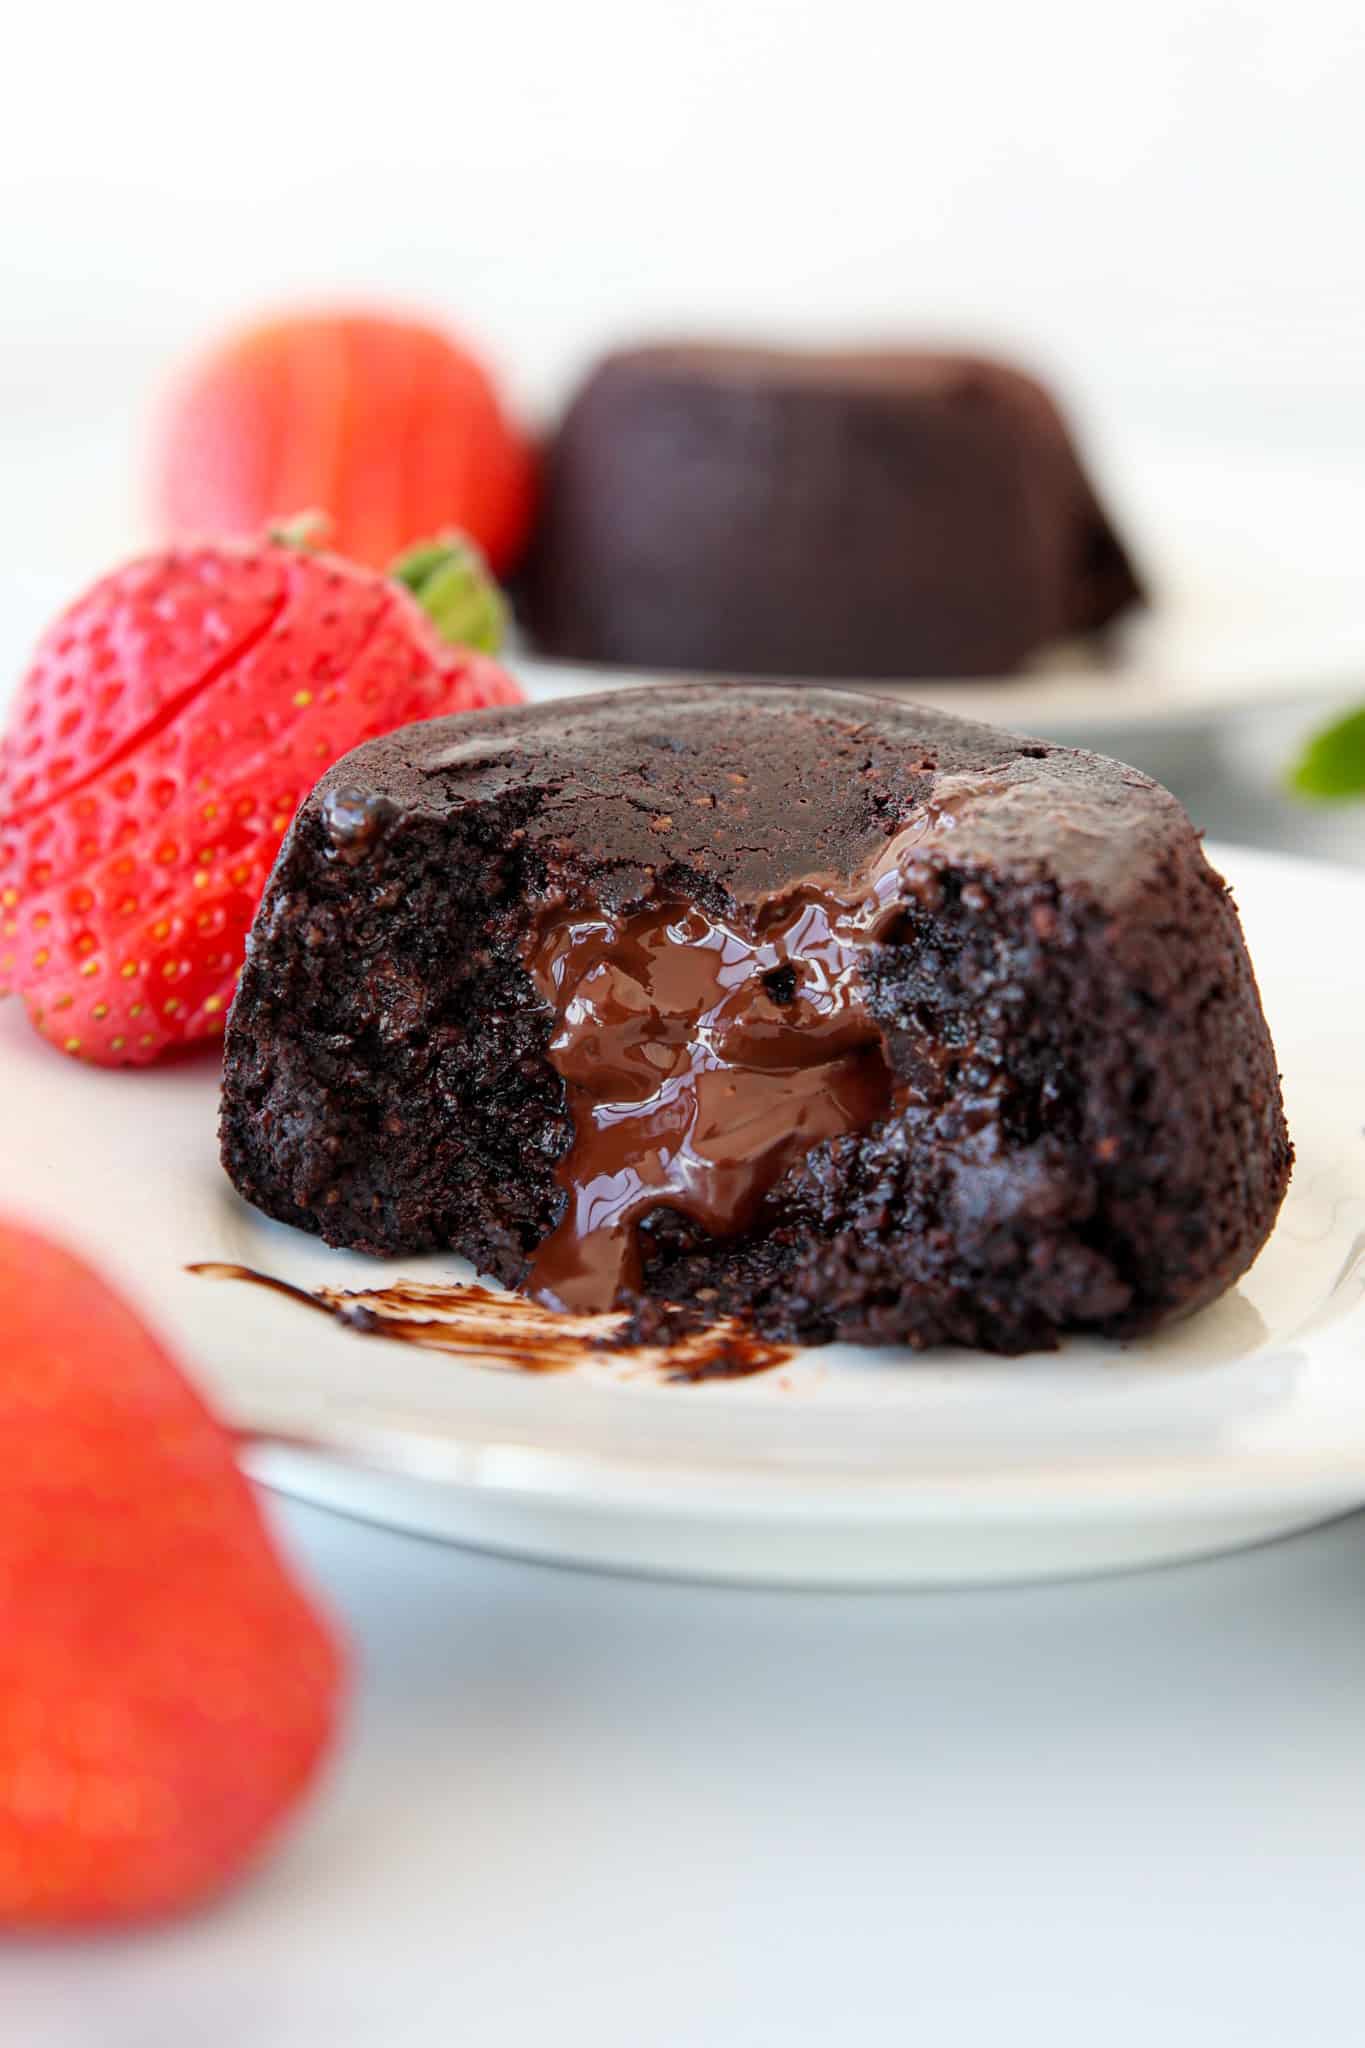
1333,762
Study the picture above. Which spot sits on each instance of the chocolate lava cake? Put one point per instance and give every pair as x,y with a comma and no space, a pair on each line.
776,513
845,1015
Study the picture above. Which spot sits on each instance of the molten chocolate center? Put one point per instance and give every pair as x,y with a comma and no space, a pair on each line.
700,1061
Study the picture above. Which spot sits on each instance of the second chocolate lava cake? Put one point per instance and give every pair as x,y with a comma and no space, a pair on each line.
849,1016
794,513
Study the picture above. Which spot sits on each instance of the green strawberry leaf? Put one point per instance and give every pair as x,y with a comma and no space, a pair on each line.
1333,762
450,580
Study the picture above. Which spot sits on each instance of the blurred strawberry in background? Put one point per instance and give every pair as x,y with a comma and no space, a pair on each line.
391,428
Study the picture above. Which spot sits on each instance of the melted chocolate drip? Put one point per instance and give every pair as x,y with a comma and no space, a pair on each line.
702,1059
501,1330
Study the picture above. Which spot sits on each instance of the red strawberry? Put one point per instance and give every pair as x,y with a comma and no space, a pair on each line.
172,721
166,1690
387,425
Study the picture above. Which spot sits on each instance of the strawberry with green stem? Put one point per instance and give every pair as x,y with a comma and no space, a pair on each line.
170,724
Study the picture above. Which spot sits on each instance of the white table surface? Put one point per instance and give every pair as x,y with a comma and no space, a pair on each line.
576,1809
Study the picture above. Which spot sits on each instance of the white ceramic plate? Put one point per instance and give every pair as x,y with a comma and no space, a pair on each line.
845,1466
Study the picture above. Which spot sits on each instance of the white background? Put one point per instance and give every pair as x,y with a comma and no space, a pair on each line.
1163,202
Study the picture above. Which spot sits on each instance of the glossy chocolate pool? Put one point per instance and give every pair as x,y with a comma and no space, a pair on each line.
701,1059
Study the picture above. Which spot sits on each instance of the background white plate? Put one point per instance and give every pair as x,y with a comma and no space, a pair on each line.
846,1466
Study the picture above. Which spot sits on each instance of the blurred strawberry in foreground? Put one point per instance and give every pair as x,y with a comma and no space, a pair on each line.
172,721
166,1689
389,427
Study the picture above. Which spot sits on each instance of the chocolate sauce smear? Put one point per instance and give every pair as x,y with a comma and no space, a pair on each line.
502,1330
702,1057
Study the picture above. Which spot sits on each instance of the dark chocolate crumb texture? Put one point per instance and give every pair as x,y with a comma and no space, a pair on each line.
847,1016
